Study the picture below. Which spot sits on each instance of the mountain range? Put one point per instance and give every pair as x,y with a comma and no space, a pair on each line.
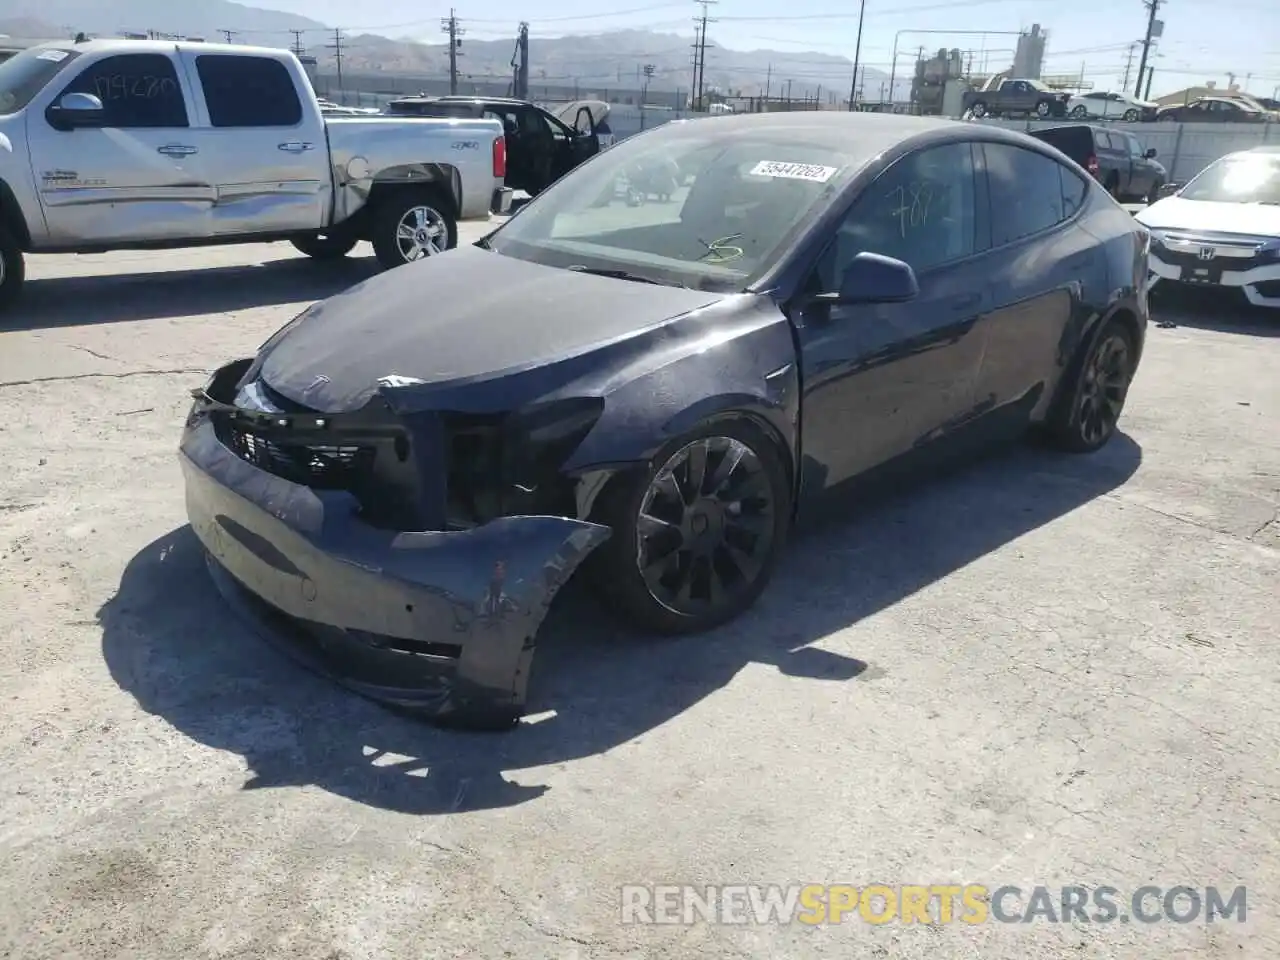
598,61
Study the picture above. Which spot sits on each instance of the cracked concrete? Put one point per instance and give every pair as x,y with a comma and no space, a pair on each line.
1042,669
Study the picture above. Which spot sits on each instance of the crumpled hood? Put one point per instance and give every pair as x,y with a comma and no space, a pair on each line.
467,315
1175,213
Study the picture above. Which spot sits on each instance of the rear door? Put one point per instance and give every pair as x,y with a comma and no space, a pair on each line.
134,177
1043,271
880,379
263,146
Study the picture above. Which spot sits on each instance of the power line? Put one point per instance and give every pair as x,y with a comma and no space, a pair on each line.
336,47
450,26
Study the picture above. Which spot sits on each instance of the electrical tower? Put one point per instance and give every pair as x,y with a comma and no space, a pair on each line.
700,52
298,48
336,47
1154,29
450,26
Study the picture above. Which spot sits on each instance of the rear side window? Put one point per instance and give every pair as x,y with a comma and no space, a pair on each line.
1030,192
248,91
1102,139
1074,190
136,90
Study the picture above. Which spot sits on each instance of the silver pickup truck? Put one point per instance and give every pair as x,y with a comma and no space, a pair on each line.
133,144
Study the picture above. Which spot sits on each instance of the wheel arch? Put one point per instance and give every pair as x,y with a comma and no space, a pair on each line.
12,217
1126,315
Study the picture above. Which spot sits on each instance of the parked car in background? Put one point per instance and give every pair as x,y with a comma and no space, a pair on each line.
140,144
838,296
1005,98
541,147
1212,110
1098,105
1115,158
1222,229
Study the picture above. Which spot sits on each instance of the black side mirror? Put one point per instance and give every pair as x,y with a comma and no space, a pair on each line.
75,110
1150,154
874,278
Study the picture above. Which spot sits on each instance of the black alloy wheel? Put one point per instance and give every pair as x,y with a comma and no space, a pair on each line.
695,541
1079,111
1090,417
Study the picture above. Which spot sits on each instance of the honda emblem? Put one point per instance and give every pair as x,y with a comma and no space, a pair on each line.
1207,253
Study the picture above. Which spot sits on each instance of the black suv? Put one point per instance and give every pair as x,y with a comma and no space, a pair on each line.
1115,157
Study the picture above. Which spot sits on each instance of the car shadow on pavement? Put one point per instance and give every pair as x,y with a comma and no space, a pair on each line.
115,298
177,648
1213,310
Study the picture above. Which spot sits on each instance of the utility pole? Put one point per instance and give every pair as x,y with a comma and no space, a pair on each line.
1128,66
700,53
1151,73
450,26
1152,7
229,35
336,47
298,49
520,64
857,55
768,82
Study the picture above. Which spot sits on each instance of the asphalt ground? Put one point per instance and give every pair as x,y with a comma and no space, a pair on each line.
1039,669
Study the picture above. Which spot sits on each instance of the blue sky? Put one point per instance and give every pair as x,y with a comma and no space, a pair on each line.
1203,39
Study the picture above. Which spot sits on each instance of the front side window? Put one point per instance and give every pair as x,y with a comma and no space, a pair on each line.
1243,178
23,76
248,91
1026,192
136,90
683,204
921,211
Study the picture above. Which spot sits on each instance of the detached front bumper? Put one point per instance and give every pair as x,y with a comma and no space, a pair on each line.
441,623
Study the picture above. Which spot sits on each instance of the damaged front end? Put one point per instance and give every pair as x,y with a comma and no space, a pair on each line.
410,556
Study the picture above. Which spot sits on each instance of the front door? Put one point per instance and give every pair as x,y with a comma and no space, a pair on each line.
134,176
268,157
882,379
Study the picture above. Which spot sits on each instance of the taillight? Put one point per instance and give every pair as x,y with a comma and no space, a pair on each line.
500,158
1092,164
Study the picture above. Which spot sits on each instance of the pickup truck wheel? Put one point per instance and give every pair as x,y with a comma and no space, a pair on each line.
1042,108
325,246
978,110
1154,193
412,225
12,268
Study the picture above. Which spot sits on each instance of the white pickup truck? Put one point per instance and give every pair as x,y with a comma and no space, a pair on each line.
136,144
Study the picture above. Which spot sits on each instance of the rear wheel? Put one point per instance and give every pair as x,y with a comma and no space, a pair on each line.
696,537
978,110
1042,108
12,269
1131,116
325,246
1079,112
1154,193
411,225
1087,414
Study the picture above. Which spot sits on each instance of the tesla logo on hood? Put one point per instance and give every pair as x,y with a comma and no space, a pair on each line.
395,380
319,381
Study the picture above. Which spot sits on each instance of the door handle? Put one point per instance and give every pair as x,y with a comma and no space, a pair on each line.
177,150
966,302
296,147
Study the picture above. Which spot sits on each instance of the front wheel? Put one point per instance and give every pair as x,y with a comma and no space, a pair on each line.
1131,116
1154,193
12,269
697,536
1042,109
411,225
1079,112
1086,416
332,246
978,110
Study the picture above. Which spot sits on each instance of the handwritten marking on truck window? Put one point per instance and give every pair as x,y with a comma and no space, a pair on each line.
119,86
813,172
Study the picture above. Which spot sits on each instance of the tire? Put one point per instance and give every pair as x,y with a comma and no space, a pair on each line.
1113,186
425,210
1154,193
1086,414
325,246
736,542
978,110
1043,109
1131,116
1079,112
13,270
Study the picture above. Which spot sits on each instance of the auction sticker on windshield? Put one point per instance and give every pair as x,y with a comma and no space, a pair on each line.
794,171
55,56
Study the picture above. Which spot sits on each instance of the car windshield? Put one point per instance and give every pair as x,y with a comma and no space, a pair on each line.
683,205
1239,179
1042,87
25,75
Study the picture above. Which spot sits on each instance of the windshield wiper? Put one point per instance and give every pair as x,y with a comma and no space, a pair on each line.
622,275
